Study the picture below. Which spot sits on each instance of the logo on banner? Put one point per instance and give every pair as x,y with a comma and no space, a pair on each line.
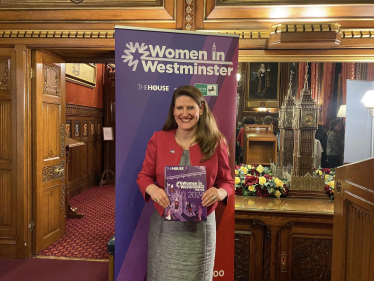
178,61
207,89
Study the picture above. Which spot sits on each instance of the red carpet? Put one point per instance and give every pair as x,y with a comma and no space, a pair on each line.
35,269
88,237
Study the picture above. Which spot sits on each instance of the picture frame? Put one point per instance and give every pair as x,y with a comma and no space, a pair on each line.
262,87
68,129
83,74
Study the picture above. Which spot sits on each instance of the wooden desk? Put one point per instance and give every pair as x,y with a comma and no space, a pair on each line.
260,145
283,239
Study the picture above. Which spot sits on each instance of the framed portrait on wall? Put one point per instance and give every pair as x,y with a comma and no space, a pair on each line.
262,87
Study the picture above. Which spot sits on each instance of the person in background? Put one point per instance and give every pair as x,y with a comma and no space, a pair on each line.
321,135
268,120
248,120
334,147
190,137
237,147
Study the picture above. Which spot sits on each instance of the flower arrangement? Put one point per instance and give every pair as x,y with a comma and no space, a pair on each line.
329,180
256,180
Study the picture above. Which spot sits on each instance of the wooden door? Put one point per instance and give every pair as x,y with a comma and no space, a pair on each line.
48,101
353,241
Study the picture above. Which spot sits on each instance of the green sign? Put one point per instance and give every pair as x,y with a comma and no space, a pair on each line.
208,89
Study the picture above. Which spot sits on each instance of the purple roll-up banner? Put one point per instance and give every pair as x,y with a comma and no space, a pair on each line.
150,65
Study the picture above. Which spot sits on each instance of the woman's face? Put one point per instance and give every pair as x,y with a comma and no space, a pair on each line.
338,126
187,113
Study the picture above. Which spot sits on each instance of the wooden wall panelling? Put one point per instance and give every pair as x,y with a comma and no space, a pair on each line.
238,14
85,165
8,183
283,245
353,245
109,114
15,144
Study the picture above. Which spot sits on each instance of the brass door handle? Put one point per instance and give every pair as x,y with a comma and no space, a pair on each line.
59,170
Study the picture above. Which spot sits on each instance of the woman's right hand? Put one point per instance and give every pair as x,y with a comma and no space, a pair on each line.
158,195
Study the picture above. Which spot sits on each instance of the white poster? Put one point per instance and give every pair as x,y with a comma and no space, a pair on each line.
358,132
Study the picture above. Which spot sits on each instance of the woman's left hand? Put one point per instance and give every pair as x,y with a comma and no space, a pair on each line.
213,195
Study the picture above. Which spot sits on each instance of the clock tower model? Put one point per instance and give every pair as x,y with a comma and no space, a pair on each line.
286,131
305,124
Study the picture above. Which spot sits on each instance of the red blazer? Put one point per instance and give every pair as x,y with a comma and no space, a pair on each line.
240,137
163,150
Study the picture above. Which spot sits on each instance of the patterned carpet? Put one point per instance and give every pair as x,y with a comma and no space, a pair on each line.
88,237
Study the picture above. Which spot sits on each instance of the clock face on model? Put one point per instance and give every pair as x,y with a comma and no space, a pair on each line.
289,121
307,120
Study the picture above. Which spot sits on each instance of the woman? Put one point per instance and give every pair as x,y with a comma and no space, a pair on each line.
335,148
185,250
321,135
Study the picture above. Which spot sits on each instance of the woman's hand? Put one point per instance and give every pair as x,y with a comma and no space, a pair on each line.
158,195
212,195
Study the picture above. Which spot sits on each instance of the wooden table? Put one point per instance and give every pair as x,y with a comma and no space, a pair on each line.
283,239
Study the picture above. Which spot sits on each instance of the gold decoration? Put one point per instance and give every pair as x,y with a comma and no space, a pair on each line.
283,261
62,140
81,73
53,172
80,34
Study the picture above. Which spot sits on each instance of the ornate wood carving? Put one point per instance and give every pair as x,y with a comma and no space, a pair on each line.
53,172
304,36
80,110
78,4
311,259
4,74
242,254
51,79
189,15
283,261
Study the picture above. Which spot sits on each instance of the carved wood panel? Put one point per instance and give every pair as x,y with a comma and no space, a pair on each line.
5,131
50,219
5,199
51,123
242,255
8,163
311,259
51,79
359,237
267,256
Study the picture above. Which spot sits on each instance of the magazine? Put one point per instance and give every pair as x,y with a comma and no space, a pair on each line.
185,185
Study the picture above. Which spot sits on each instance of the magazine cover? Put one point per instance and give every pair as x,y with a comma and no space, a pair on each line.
185,185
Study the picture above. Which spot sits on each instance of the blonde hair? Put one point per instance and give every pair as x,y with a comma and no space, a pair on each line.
207,134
